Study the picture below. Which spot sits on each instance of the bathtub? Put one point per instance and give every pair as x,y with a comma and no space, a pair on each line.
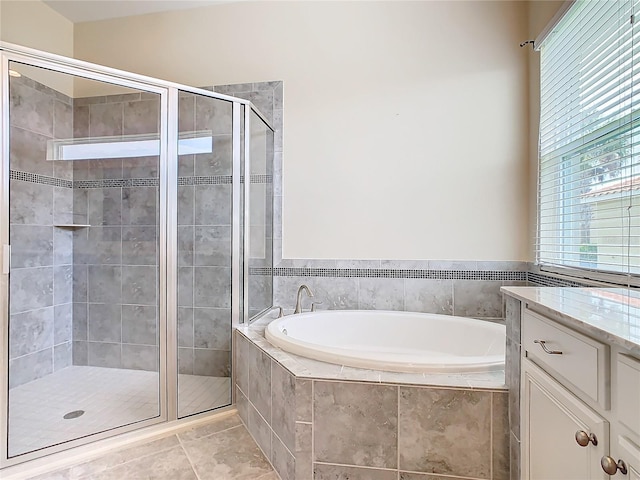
392,341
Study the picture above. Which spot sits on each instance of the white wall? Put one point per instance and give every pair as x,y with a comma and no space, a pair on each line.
405,122
34,24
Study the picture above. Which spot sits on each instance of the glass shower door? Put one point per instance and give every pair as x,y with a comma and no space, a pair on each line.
85,324
204,253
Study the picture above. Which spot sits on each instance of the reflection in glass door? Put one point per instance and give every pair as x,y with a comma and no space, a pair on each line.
84,299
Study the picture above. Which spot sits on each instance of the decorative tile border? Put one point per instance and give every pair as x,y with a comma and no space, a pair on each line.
116,183
392,273
42,179
538,280
213,180
132,182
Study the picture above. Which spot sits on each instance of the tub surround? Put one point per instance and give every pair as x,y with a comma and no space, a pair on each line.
314,418
610,315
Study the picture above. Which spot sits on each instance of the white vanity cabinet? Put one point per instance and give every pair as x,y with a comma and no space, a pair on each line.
580,404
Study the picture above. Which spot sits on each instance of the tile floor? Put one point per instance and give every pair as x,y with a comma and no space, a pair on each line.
219,450
109,397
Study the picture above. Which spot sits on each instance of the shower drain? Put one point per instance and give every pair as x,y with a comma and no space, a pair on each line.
74,414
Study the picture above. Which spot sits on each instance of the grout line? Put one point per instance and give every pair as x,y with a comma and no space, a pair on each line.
313,441
186,454
398,432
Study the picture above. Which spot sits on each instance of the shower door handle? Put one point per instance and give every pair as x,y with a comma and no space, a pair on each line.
6,259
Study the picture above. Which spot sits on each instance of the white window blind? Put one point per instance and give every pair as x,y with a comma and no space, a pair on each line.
589,188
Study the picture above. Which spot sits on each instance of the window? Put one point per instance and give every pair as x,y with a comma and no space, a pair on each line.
589,185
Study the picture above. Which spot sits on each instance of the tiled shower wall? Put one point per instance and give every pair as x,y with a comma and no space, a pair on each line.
94,288
204,241
265,183
115,259
41,196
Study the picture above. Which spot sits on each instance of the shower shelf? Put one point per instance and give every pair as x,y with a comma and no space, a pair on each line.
71,225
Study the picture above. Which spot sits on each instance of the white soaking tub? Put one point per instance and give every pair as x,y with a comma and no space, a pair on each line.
393,341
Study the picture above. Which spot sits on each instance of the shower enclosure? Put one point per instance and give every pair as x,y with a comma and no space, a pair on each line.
136,229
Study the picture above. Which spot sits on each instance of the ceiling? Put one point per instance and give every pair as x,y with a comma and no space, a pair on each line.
92,10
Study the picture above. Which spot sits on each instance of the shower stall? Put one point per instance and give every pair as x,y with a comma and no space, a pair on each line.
136,230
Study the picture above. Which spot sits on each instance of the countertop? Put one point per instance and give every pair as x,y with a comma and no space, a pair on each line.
611,315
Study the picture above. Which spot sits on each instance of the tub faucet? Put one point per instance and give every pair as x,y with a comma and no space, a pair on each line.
303,288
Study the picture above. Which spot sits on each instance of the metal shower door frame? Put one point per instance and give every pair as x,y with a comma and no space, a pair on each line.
168,173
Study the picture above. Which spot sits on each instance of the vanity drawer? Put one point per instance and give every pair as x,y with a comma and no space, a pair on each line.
584,362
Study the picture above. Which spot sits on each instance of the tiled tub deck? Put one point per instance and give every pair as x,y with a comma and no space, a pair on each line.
315,420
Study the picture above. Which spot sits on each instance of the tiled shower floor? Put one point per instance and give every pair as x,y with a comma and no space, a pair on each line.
109,397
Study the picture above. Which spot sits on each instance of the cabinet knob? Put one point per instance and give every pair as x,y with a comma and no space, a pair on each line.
583,438
610,466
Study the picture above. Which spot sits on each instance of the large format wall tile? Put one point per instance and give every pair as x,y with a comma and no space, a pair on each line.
105,119
62,323
142,116
212,287
283,405
355,424
445,423
429,296
260,430
140,245
500,438
31,288
31,203
219,162
260,381
105,284
139,205
140,357
30,109
104,206
139,324
30,367
31,246
212,205
211,328
104,355
31,331
212,246
214,115
139,285
105,322
212,363
381,294
28,152
282,460
477,298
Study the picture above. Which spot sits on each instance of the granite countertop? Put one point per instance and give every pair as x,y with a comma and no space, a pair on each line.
611,315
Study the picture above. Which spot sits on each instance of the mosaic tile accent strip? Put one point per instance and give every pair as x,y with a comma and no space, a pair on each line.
213,180
116,183
255,178
42,179
538,280
258,178
393,273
